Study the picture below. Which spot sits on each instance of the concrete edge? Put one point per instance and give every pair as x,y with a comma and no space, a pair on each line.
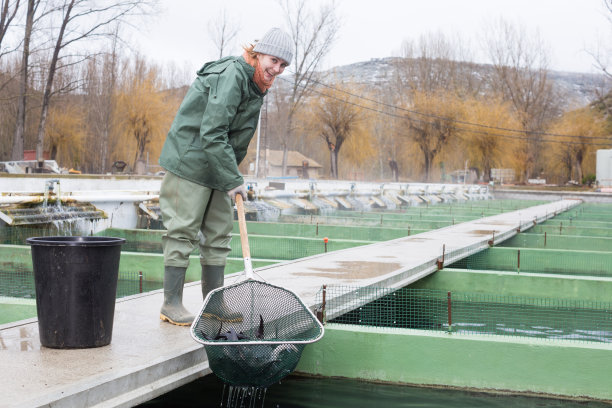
132,386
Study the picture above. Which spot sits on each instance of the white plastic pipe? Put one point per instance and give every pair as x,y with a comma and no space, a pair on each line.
88,198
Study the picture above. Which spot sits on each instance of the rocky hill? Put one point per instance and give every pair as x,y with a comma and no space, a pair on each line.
577,88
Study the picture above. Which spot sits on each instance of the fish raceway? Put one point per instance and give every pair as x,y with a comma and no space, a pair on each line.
526,313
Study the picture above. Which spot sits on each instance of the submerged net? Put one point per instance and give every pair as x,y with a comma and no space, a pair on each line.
254,332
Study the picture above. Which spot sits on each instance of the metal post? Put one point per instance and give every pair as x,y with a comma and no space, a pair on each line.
257,146
518,260
409,230
321,312
544,238
140,281
317,233
325,240
440,263
450,320
560,228
443,253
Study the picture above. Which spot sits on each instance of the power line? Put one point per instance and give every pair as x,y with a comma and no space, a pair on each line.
442,117
460,128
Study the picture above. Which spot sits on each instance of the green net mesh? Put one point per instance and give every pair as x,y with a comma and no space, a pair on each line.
254,332
470,313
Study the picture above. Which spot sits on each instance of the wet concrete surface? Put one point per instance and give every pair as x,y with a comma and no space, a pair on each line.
147,357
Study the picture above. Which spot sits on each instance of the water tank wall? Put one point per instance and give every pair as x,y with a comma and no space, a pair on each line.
604,167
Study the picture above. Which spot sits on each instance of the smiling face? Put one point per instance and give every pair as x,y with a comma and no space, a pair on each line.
271,66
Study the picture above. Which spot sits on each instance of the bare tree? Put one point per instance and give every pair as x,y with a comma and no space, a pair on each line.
436,62
429,76
80,20
382,132
312,36
18,136
520,74
432,132
273,123
7,14
337,120
100,84
222,32
602,57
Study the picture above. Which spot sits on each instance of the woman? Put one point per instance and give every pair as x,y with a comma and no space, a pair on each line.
206,142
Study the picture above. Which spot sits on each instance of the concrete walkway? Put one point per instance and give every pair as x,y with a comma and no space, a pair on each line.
147,358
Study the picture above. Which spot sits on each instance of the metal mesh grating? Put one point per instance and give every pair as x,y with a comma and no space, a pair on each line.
470,313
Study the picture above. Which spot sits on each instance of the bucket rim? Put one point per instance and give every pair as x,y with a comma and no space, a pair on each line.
75,241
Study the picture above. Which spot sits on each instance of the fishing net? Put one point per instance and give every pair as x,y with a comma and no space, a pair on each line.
254,332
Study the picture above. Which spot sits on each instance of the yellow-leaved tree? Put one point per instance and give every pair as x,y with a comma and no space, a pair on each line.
574,155
338,121
144,112
488,146
433,128
65,134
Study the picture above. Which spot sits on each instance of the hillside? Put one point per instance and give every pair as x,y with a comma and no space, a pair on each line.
578,88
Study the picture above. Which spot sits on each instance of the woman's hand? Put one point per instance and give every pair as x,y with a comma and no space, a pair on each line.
241,189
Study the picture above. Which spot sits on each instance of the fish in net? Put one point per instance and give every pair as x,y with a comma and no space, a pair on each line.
254,332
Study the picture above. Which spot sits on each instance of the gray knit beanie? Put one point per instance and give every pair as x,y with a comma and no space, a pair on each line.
277,43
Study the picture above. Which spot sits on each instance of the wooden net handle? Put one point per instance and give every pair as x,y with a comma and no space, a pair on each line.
244,238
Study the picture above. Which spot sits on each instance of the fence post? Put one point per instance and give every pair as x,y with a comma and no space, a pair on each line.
325,240
518,261
439,262
139,281
450,320
321,313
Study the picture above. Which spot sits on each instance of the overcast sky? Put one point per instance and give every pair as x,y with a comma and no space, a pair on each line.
372,29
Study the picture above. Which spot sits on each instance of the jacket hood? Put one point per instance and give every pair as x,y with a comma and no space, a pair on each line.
218,66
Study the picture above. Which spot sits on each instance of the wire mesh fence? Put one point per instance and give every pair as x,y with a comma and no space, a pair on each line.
534,260
468,313
17,281
568,242
17,235
262,246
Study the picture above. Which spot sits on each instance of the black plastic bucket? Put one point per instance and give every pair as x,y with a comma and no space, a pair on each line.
76,286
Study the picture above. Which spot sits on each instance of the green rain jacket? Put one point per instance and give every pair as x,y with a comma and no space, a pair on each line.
214,125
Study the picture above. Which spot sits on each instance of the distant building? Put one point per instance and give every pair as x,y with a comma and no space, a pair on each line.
468,176
298,165
604,167
502,175
31,155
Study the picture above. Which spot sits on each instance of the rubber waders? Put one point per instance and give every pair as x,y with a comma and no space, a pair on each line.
172,310
212,278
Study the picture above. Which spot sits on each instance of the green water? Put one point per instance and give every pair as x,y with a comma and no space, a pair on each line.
299,392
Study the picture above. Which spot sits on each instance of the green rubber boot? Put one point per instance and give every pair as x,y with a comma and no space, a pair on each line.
172,310
212,278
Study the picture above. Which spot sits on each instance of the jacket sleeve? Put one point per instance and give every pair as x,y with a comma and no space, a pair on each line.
223,102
